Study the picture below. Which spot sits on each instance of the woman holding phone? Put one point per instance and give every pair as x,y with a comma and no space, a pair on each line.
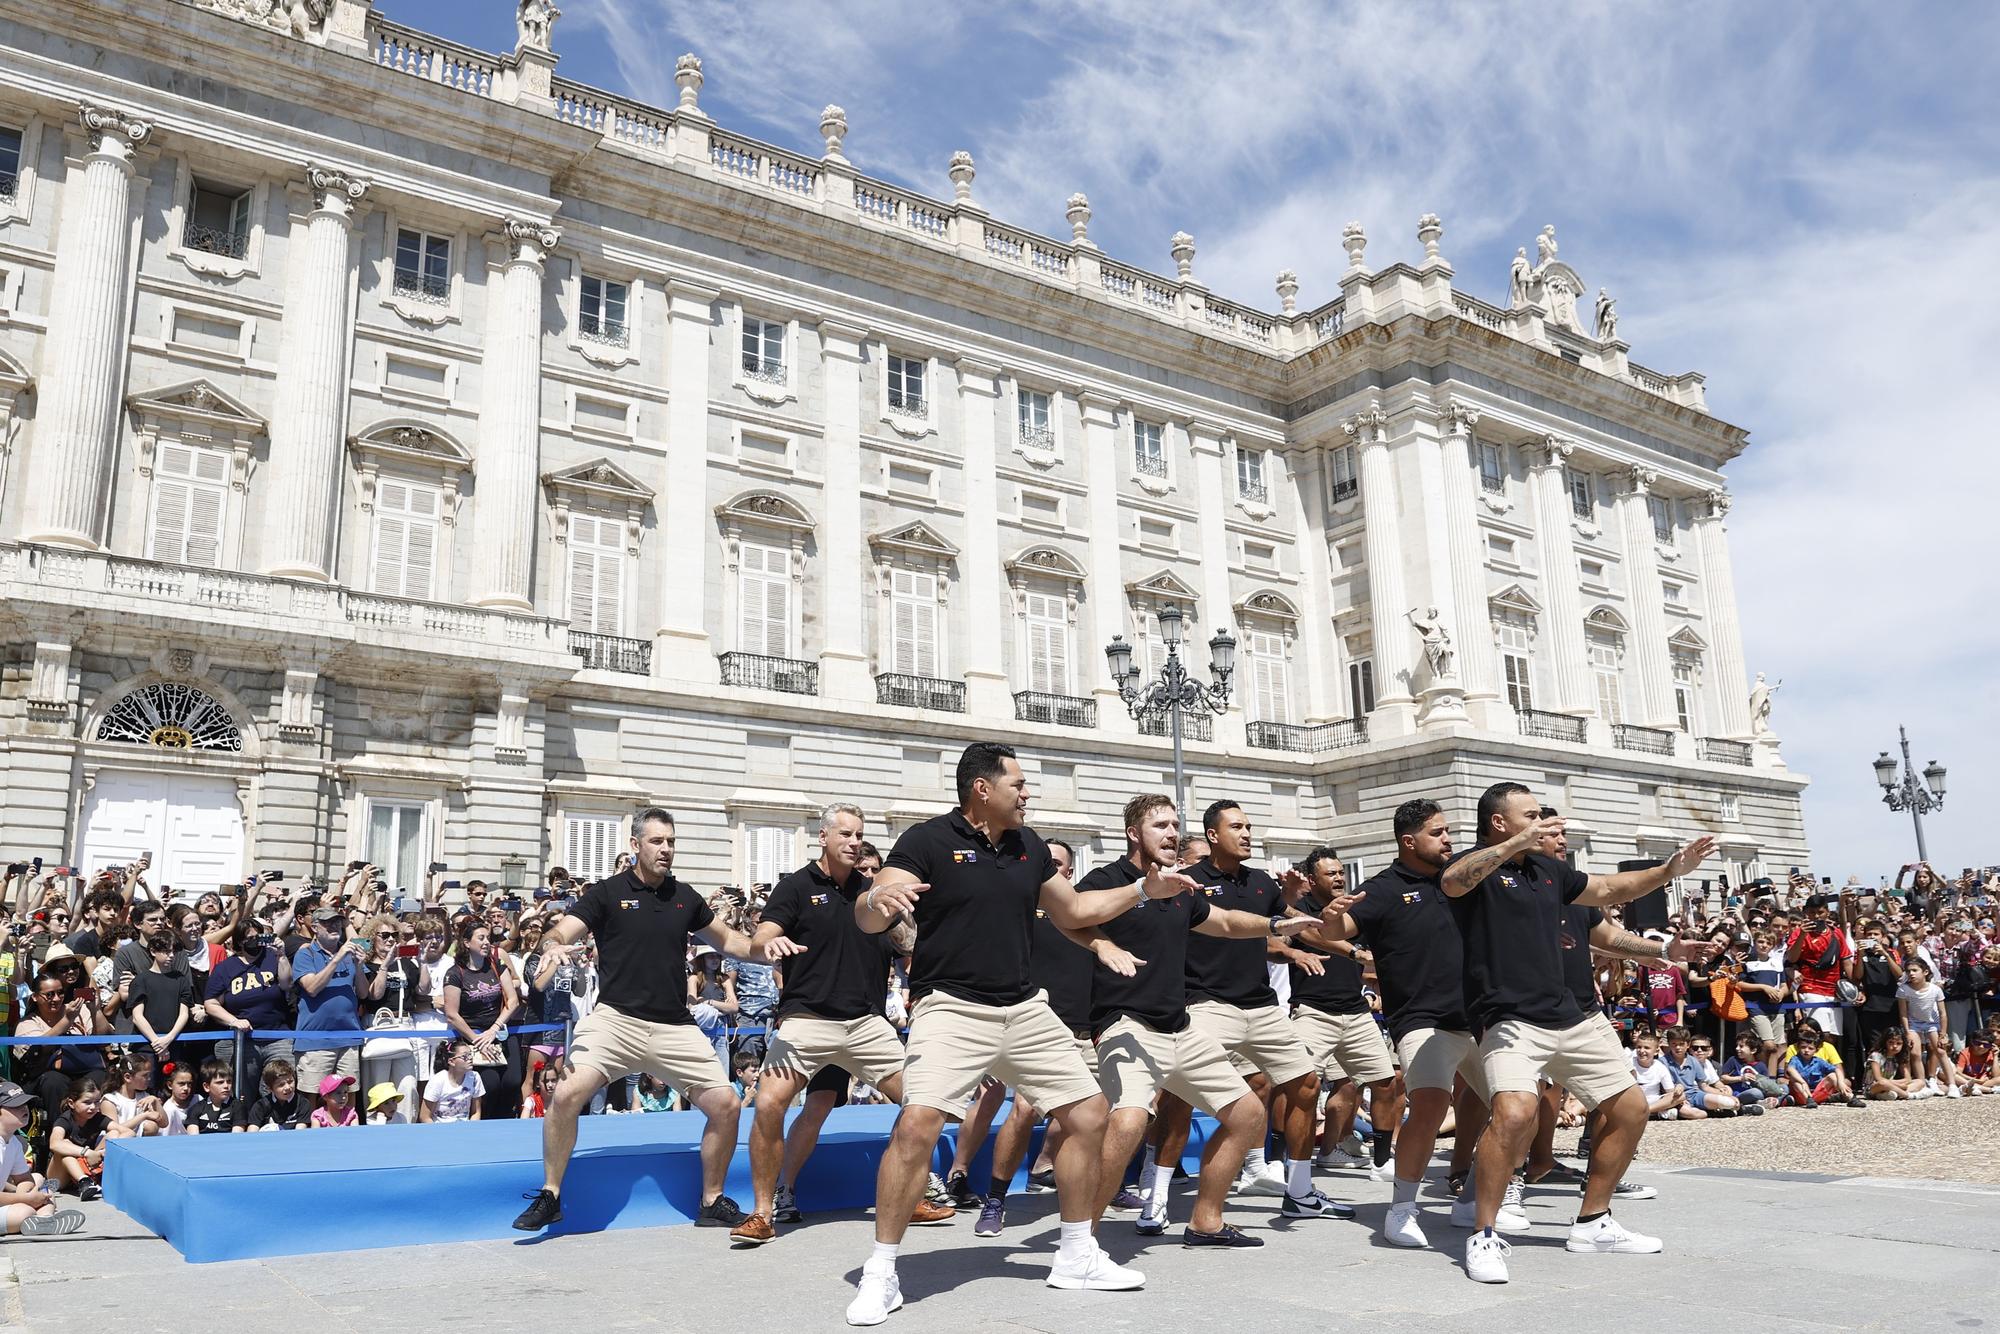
479,999
393,978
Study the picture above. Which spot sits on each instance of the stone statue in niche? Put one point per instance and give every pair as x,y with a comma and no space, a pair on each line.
1519,279
1607,317
1437,641
532,21
1760,706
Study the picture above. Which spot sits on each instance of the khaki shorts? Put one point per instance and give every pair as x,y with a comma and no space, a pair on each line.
1344,1046
1431,1056
805,1043
1139,1061
616,1045
1584,1058
1767,1028
313,1066
955,1043
1256,1040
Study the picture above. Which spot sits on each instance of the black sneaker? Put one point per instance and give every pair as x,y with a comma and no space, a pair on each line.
963,1196
1228,1236
1039,1182
785,1209
544,1209
1857,1101
89,1191
719,1212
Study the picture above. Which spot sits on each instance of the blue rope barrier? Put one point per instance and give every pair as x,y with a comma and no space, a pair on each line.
263,1035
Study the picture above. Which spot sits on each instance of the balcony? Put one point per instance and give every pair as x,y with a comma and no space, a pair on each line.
789,675
1194,726
770,370
1039,438
904,403
228,242
920,692
1151,465
597,329
1341,735
1031,706
1719,750
609,653
1552,726
1646,740
1345,489
1253,491
430,288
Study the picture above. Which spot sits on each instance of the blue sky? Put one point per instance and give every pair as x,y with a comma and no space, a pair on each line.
1801,200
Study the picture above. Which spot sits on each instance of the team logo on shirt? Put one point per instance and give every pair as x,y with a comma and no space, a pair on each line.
819,900
960,856
628,903
1414,896
1212,891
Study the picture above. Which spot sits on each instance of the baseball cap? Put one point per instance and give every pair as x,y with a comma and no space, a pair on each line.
333,1082
380,1094
327,916
13,1095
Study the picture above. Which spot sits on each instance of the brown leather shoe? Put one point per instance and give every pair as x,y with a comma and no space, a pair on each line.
927,1214
753,1231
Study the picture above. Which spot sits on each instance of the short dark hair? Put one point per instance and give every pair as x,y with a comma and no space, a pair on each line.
1214,812
870,850
104,897
1413,815
1549,812
1312,860
212,1067
1064,845
981,759
649,815
1490,799
162,940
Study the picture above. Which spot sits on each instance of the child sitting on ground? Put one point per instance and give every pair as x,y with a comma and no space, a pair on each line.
26,1201
76,1139
130,1109
213,1113
385,1106
1976,1065
1696,1073
1745,1075
336,1103
1664,1099
281,1107
180,1098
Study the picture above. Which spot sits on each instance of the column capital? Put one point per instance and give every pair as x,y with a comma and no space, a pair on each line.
1712,506
1633,480
1370,426
1457,418
530,240
335,190
1550,451
113,131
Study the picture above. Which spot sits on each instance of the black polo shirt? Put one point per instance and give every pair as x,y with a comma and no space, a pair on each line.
975,924
1404,923
1578,975
1337,990
1232,971
1158,931
1511,923
844,972
1061,967
642,935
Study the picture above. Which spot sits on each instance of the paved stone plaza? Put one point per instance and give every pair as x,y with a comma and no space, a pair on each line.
1795,1252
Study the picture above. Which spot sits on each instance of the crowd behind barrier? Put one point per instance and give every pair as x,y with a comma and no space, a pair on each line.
134,1011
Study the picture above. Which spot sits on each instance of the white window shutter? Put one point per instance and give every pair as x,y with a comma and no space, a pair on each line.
204,529
767,601
582,586
170,507
421,562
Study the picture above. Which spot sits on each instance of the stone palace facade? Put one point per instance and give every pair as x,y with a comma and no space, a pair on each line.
406,453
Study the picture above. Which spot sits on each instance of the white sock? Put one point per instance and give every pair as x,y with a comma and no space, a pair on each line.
1298,1177
884,1258
1075,1242
1253,1163
1146,1170
1162,1183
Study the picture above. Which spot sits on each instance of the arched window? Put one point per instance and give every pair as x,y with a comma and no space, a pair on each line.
172,716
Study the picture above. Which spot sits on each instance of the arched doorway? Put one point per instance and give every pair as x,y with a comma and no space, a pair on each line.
192,823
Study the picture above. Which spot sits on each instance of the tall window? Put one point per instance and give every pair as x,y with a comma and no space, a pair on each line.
765,601
596,575
906,386
190,488
591,844
1149,451
423,265
396,842
1270,677
763,349
1492,472
1686,707
767,853
913,635
1048,643
1580,503
1345,481
218,220
406,538
1605,652
600,316
1662,511
10,162
1361,686
1250,475
1031,420
1516,664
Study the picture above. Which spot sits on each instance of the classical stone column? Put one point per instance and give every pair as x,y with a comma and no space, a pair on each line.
1322,662
510,417
1388,604
84,357
309,419
1643,595
1728,681
1478,664
844,659
1562,599
1106,585
1205,444
687,526
987,691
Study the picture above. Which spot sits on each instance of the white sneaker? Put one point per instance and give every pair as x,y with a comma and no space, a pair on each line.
1382,1171
1261,1183
1937,1089
1486,1258
1955,1091
1400,1227
878,1295
1604,1236
1919,1094
1337,1159
1093,1271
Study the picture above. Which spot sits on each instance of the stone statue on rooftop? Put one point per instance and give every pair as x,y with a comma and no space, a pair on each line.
1437,640
532,21
1520,276
1760,706
1545,246
1607,317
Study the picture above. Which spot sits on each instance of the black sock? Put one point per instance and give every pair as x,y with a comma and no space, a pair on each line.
1581,1219
1383,1144
996,1189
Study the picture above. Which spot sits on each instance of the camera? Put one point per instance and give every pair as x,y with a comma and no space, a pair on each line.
435,868
64,870
512,903
358,864
16,868
273,877
449,884
266,939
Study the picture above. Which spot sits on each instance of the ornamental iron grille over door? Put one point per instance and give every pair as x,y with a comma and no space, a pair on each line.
172,716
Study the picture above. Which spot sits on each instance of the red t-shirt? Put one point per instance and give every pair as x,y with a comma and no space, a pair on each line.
1813,979
1664,988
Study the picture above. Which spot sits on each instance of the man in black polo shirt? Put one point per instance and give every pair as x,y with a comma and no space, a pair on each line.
1400,915
1507,897
830,1011
1146,1041
972,880
1230,999
640,920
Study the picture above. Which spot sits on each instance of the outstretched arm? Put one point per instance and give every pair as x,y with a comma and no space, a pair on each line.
1077,908
1605,890
1464,875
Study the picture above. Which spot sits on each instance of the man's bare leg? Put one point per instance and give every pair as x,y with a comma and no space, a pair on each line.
718,1138
905,1171
578,1087
1508,1128
775,1091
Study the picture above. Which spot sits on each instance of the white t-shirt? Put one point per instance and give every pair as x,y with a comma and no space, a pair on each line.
1923,1004
453,1101
1655,1080
13,1159
177,1118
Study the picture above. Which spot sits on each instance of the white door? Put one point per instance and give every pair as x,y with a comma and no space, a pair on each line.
191,823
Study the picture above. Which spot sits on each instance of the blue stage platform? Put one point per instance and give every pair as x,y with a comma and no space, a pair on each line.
300,1192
